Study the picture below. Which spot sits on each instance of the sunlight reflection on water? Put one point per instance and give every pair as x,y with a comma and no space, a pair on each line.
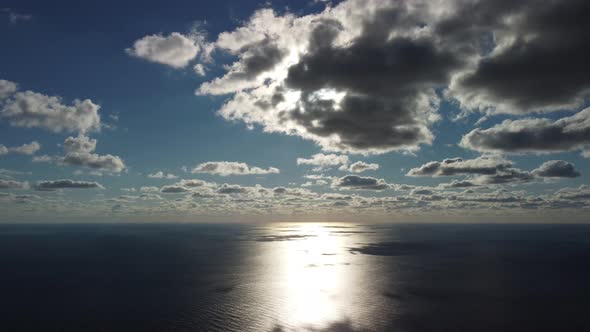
316,277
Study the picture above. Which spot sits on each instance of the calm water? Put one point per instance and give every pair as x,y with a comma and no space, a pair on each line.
293,277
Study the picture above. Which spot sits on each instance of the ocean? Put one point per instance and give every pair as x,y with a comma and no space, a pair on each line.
294,277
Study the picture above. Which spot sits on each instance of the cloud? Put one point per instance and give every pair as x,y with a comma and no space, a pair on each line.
225,168
193,183
27,149
12,184
79,152
7,88
358,77
368,76
231,189
34,110
359,167
528,38
66,184
162,175
14,17
174,189
486,165
483,170
175,50
556,169
323,160
43,159
458,184
199,69
355,182
532,135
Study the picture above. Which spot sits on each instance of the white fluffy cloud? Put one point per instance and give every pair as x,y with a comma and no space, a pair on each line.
175,50
225,168
323,160
27,149
359,167
7,88
30,109
79,152
162,175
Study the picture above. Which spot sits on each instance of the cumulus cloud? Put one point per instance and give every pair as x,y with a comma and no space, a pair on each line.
490,170
148,189
323,161
556,169
364,76
231,189
174,189
359,167
355,182
358,77
528,38
12,184
532,135
43,159
162,175
79,152
175,50
27,149
7,88
30,109
486,165
225,168
66,184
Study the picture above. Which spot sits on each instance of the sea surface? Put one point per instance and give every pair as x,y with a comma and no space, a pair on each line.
294,277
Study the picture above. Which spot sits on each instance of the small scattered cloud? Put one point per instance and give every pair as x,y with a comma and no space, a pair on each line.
27,149
15,17
79,152
13,184
323,161
49,185
355,182
175,50
359,167
226,168
162,175
556,169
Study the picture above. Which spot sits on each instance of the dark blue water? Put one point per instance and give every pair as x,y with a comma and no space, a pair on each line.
294,277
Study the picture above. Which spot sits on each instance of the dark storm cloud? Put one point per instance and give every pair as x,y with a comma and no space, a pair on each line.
557,169
260,58
359,183
66,184
543,64
532,135
366,76
387,83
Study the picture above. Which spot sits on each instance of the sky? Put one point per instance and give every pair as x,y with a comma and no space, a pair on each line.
380,110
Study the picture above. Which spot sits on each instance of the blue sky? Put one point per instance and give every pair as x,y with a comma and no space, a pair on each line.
177,88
